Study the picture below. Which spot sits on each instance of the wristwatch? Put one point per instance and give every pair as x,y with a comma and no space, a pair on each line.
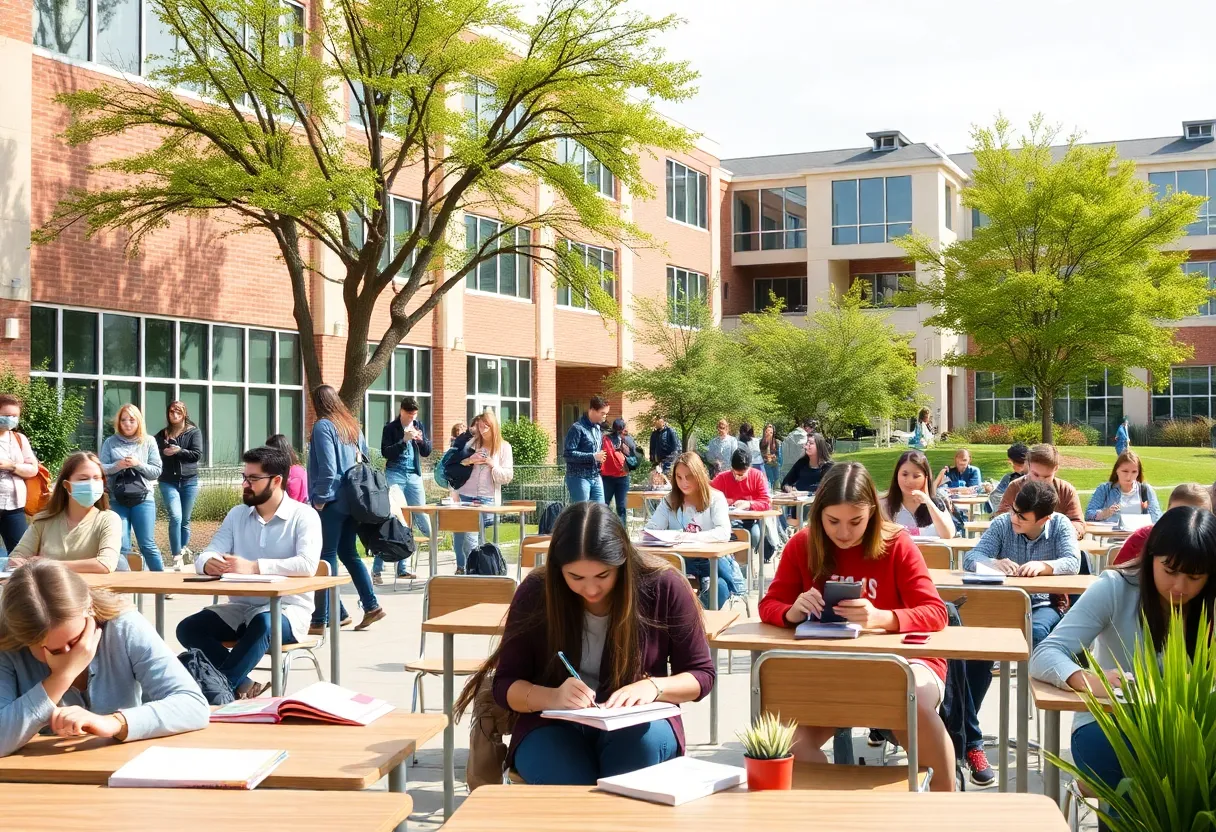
121,736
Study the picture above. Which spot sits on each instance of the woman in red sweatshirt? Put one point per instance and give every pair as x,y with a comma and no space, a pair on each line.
847,539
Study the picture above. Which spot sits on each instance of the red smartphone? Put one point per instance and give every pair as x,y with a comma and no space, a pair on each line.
916,638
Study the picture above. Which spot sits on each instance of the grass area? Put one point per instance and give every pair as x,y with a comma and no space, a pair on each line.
1084,467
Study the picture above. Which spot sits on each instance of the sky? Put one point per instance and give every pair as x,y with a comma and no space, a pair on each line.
784,76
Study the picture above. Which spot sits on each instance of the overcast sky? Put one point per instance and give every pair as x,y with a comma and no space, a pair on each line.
781,76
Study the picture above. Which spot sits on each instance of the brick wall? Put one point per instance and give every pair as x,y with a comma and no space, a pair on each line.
16,20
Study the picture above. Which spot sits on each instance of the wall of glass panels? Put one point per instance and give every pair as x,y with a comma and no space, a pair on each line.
408,374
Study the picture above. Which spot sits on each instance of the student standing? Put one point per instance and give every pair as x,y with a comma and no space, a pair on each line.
584,452
268,534
749,442
793,447
493,465
297,476
180,444
745,490
1125,492
1122,439
814,461
718,453
1017,455
770,455
81,662
1041,466
626,622
17,464
664,446
132,449
848,540
1175,572
458,430
961,475
700,512
335,446
910,503
403,444
614,471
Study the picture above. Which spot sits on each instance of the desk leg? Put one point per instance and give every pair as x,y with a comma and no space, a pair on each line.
1051,738
335,630
1023,725
434,544
519,576
1003,733
754,695
398,777
160,614
760,572
276,644
713,698
449,730
713,583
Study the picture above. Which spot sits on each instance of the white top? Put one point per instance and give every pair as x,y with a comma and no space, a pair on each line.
289,544
595,636
907,519
1130,503
14,448
486,481
709,526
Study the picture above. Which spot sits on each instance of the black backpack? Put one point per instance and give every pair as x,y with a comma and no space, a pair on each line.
391,540
366,493
485,560
455,473
548,518
128,488
210,681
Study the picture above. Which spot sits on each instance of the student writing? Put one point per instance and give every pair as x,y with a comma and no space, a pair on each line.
961,475
745,489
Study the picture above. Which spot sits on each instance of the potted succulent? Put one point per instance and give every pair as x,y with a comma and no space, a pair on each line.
768,753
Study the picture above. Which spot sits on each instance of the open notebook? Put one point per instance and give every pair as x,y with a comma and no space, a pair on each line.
321,701
660,537
160,767
614,719
676,781
830,629
1131,522
983,574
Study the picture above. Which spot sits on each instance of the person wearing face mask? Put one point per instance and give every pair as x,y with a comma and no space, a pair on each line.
77,526
81,662
270,534
17,464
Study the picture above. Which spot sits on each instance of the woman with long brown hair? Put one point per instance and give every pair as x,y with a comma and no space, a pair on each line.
77,526
181,447
1124,493
847,539
336,445
911,502
626,622
81,662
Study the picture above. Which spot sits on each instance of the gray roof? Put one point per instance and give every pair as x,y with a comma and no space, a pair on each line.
1163,149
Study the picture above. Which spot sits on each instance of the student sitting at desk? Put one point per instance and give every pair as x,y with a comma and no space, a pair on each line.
1017,454
1187,494
1125,492
702,514
961,475
808,471
746,489
76,661
77,526
909,502
621,618
847,539
1174,571
270,534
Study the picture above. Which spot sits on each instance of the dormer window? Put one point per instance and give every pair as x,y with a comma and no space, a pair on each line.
886,140
884,143
1197,131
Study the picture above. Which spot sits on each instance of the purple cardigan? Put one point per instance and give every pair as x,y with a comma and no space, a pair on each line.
677,636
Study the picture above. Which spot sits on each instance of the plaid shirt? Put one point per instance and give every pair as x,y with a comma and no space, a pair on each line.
1056,544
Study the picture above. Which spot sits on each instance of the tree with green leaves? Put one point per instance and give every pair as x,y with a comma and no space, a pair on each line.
701,375
1067,277
268,148
47,421
844,366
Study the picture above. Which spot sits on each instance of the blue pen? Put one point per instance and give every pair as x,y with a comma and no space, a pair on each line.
571,669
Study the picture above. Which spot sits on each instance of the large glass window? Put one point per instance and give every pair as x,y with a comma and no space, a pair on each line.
1196,182
1189,394
402,214
602,260
595,174
685,289
771,218
1097,403
498,383
790,290
687,197
503,274
881,289
249,379
408,374
995,401
871,210
1207,269
482,108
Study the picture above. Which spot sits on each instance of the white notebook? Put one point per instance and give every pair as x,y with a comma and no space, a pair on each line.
660,537
984,574
676,781
830,629
614,719
234,578
1131,522
160,767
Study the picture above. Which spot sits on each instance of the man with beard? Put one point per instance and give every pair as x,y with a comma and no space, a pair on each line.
269,534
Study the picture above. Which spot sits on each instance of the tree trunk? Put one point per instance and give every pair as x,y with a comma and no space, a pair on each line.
1046,414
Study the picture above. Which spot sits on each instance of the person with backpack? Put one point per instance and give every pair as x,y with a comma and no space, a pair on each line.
619,451
584,452
1125,492
181,447
491,465
17,464
404,443
664,446
131,462
336,445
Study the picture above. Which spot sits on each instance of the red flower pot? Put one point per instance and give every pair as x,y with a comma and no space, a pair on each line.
769,775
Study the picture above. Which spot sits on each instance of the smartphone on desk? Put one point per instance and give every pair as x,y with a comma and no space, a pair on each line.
916,638
200,579
833,593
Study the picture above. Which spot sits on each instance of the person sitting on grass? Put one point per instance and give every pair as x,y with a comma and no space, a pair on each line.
1125,492
1187,494
269,534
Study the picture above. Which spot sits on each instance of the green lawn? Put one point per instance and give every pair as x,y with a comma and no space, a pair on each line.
1163,467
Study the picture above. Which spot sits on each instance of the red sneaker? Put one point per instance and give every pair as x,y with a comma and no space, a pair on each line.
981,772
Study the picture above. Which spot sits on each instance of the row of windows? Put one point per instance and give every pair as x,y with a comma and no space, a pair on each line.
402,214
790,290
408,374
600,259
504,274
687,195
873,210
880,289
1097,403
685,290
1191,392
1208,269
595,174
1196,182
770,218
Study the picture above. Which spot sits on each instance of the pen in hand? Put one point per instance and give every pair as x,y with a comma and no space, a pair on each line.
573,672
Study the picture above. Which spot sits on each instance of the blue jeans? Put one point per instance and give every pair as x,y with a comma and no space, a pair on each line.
208,632
584,490
411,487
617,488
730,578
12,527
465,542
565,754
772,472
179,503
1092,752
142,520
338,543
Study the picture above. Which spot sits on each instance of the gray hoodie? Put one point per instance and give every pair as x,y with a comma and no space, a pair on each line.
143,450
792,449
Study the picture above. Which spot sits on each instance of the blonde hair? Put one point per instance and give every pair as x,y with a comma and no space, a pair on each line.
701,495
141,429
1191,494
44,594
494,443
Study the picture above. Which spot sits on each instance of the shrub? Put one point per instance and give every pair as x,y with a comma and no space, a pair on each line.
1014,430
1029,432
1070,435
214,502
1092,437
1179,433
986,433
529,441
47,423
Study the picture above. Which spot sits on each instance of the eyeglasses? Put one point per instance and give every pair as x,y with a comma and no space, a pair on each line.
248,480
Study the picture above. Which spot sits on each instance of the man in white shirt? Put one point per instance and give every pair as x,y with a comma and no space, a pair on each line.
269,534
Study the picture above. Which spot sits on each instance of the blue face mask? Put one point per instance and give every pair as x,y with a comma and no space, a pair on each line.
8,422
87,492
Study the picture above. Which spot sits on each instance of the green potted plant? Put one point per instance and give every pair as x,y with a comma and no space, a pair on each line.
1163,731
768,753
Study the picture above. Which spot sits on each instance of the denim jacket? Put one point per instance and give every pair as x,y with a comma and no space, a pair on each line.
328,459
1108,493
392,447
583,441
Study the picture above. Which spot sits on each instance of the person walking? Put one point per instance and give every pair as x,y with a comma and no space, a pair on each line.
770,455
297,475
335,446
180,444
1122,440
17,464
404,443
132,466
493,464
584,452
619,448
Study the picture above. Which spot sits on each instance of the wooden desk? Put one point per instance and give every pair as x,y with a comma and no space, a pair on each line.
1054,701
98,809
799,504
437,514
561,808
1051,584
160,584
643,499
971,503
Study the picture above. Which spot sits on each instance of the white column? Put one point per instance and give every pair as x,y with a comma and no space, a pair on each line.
1137,402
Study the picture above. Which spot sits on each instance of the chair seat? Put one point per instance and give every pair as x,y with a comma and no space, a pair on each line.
308,643
830,777
461,667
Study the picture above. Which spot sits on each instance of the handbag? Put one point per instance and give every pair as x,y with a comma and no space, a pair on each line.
37,487
128,489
